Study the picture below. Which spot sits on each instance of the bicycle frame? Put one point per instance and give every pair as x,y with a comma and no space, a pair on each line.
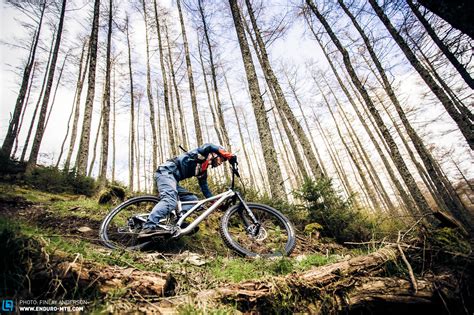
197,204
220,198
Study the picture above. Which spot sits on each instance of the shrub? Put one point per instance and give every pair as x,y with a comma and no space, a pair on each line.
10,166
54,180
339,219
112,194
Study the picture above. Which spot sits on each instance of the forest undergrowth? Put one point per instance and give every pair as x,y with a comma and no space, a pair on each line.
368,266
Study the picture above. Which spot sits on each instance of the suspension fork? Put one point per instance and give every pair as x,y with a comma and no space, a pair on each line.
254,223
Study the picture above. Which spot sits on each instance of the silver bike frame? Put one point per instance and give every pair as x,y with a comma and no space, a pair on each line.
197,204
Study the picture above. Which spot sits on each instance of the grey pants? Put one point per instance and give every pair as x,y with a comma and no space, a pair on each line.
169,191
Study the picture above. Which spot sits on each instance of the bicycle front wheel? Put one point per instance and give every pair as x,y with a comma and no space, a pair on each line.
274,235
121,226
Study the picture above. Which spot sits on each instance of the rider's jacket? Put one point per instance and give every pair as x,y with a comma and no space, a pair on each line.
195,163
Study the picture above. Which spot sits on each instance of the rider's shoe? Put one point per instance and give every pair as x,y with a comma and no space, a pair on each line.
160,229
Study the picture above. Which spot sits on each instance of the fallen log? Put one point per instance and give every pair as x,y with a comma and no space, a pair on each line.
107,279
253,291
342,286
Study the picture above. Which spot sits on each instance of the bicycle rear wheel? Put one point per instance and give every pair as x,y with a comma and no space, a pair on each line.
275,236
121,226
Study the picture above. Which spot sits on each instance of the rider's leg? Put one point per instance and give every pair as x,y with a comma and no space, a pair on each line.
167,188
185,195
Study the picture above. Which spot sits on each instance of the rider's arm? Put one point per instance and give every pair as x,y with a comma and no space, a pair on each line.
207,148
203,185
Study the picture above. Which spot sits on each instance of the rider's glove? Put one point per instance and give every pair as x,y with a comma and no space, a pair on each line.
233,159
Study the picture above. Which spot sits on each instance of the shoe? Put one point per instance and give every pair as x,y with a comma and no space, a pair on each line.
160,229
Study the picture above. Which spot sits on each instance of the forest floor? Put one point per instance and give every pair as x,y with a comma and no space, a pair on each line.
55,249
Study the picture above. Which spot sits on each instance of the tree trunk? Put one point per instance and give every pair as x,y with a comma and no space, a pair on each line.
13,126
38,102
312,280
131,143
176,91
288,162
281,102
241,136
149,92
192,90
336,162
24,109
96,141
83,153
220,115
172,141
368,188
271,162
68,122
106,106
464,124
158,112
394,152
114,119
204,75
453,203
305,120
55,91
458,13
80,84
445,50
44,106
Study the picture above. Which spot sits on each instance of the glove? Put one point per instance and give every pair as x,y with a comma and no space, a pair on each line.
233,159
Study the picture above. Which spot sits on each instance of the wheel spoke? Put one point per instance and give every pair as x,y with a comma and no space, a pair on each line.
274,237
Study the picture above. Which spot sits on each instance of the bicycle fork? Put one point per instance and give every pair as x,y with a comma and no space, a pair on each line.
253,227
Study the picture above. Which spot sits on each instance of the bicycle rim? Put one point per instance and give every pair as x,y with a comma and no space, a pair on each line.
121,226
274,237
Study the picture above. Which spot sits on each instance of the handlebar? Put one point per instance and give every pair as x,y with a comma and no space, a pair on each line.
235,172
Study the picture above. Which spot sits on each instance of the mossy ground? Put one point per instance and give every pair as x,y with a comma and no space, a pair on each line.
53,219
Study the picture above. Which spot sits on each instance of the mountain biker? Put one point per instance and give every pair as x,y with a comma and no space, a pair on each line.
167,176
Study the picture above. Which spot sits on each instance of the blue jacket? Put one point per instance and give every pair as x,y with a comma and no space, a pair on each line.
195,163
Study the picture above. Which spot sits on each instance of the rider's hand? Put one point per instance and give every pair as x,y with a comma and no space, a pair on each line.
233,159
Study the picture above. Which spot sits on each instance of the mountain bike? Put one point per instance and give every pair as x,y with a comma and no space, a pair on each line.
250,229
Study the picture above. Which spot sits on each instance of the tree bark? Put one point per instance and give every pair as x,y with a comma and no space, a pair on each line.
319,277
241,136
281,101
38,102
394,152
24,109
44,106
445,50
171,135
220,115
96,141
271,162
14,122
208,93
149,92
176,91
192,89
442,188
305,120
465,125
79,86
131,143
106,105
83,153
458,13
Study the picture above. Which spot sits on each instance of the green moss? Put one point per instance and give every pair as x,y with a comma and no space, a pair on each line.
315,260
450,240
191,309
